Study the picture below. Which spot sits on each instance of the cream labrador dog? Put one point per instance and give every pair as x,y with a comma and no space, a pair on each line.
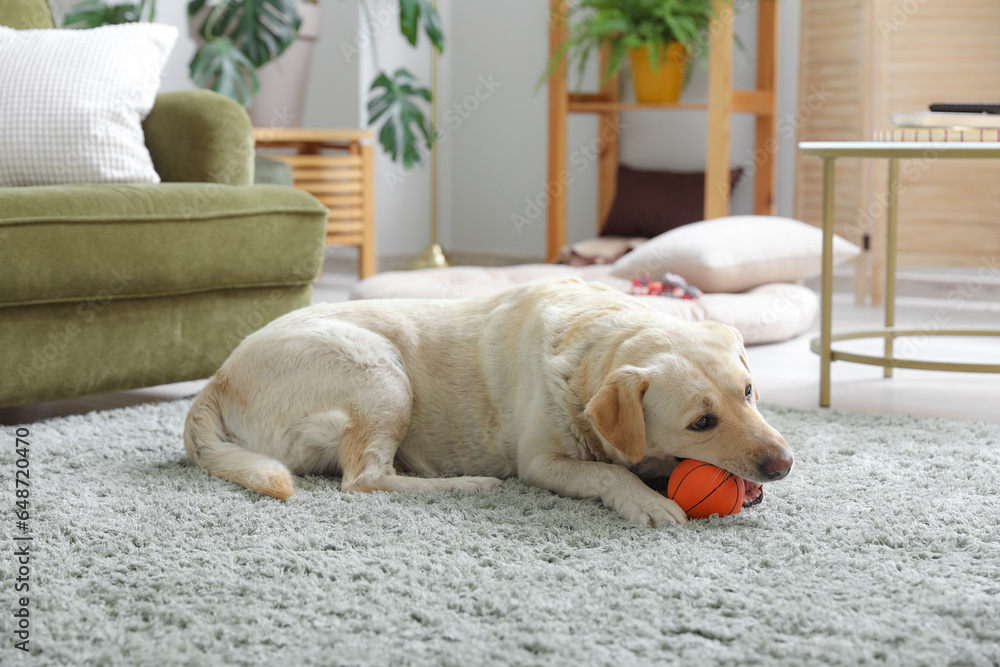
569,386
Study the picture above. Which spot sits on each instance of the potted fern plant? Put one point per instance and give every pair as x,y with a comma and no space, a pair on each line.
657,36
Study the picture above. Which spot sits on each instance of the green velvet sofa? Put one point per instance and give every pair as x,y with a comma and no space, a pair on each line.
111,287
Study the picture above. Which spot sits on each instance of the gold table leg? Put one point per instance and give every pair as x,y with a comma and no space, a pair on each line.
826,303
892,217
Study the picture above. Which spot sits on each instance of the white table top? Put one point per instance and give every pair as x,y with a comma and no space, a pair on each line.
901,149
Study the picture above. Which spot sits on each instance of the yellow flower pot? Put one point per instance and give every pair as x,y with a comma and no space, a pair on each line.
664,84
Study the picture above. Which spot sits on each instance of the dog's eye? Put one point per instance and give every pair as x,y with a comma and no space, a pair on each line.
749,391
703,423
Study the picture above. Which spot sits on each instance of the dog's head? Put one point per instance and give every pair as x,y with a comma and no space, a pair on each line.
687,394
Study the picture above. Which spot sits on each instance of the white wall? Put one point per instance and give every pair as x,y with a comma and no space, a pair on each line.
176,73
402,199
499,148
788,93
333,96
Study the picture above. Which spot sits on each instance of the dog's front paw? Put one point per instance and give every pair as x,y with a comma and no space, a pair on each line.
651,510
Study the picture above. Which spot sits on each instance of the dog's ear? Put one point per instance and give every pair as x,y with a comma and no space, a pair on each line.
727,332
616,412
742,351
746,365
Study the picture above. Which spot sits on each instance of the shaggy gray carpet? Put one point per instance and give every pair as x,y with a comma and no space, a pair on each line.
881,547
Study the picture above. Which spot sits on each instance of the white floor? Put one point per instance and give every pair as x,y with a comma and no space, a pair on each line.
787,373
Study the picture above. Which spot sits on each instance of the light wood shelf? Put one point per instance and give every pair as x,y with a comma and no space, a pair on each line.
338,168
723,102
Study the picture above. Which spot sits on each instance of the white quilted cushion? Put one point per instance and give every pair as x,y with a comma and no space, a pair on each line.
736,253
72,103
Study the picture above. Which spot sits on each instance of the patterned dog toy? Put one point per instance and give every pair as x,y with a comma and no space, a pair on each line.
672,285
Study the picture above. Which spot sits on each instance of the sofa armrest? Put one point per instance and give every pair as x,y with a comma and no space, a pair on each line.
198,136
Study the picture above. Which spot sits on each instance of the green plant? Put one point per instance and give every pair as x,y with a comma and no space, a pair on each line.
397,97
239,36
629,24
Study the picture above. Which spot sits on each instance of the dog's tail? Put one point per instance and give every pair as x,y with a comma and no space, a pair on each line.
206,444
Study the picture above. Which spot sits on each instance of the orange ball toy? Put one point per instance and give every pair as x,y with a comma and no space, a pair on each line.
702,489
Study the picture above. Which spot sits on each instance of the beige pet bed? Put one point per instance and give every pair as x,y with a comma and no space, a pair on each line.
765,314
748,267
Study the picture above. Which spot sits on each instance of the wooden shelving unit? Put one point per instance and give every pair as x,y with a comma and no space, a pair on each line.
723,102
338,168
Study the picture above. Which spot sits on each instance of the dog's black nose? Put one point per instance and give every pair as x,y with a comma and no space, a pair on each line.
775,469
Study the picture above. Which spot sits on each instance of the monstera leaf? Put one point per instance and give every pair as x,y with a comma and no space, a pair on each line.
220,66
239,36
95,13
393,98
410,14
262,29
396,99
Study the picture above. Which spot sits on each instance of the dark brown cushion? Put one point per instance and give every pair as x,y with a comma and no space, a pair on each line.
649,203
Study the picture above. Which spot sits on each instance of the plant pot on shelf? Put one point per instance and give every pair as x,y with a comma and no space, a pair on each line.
283,81
666,82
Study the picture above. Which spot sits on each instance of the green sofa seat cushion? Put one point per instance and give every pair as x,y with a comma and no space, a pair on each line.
96,242
57,350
